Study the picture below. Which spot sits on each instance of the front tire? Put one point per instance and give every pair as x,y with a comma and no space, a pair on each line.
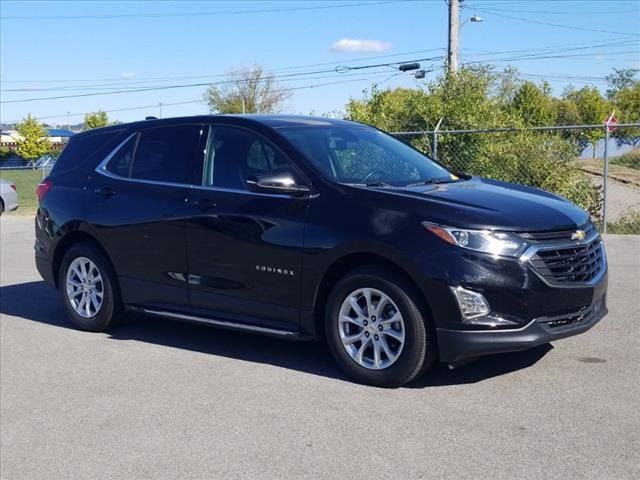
375,329
89,288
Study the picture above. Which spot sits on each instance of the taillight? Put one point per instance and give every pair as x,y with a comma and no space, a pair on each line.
13,185
43,188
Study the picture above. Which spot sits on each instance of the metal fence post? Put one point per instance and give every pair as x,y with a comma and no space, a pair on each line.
435,145
434,150
604,180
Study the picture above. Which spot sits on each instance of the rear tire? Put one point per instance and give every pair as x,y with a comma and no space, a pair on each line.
375,329
89,289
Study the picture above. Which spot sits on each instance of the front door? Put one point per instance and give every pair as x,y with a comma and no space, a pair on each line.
244,248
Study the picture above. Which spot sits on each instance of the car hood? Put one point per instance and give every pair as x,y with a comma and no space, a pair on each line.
482,203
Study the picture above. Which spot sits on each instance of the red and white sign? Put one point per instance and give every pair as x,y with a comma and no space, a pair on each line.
611,122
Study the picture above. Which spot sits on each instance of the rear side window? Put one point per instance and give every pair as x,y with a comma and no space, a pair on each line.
87,149
167,154
120,163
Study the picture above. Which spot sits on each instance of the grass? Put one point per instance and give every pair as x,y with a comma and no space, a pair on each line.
629,224
617,171
630,159
25,181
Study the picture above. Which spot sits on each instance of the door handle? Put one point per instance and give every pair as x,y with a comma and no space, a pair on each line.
105,192
203,203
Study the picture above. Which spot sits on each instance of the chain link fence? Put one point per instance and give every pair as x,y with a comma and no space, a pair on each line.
595,166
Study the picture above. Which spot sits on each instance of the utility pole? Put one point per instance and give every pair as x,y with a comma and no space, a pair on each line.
454,29
160,110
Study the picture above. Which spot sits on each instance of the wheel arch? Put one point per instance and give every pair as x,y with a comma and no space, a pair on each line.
343,265
70,239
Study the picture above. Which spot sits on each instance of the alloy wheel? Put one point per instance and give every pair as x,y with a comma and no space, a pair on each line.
371,328
85,287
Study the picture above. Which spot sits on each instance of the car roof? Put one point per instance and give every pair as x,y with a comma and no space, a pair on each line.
271,121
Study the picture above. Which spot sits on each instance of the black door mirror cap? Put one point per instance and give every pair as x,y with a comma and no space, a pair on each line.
278,184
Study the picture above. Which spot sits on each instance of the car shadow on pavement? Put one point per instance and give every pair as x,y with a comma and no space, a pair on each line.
38,302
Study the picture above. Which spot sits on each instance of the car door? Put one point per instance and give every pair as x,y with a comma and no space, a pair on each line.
245,248
138,208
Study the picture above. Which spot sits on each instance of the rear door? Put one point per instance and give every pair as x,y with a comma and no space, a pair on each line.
138,207
245,248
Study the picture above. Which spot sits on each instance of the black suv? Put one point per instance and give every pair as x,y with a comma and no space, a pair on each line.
308,228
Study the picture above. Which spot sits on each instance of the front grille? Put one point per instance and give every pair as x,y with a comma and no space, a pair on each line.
575,318
570,264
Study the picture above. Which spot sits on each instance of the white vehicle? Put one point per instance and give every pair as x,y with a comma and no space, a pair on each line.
8,196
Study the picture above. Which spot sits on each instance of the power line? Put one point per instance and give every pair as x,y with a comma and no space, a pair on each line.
561,48
204,84
196,14
551,12
155,105
570,27
542,57
142,80
299,77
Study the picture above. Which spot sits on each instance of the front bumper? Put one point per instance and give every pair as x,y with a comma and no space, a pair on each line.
458,346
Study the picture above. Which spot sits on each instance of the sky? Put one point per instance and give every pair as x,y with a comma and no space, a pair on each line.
78,49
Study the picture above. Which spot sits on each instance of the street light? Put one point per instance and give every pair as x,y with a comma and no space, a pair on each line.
475,19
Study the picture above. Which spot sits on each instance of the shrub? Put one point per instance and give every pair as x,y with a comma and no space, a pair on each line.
5,152
630,159
629,224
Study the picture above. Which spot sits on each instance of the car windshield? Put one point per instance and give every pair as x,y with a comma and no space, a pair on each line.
363,155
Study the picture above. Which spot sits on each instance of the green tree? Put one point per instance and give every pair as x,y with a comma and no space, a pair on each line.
624,93
392,110
621,80
507,84
591,109
478,98
534,105
33,141
96,120
248,90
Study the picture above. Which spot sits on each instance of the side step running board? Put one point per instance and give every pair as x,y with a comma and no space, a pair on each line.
290,334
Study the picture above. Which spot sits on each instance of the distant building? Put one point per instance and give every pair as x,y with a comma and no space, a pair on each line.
57,136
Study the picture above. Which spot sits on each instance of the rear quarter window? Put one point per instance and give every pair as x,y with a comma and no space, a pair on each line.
85,151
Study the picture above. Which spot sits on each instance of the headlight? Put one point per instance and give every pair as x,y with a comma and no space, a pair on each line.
486,241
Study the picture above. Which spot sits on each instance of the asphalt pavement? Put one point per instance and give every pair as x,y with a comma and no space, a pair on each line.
154,399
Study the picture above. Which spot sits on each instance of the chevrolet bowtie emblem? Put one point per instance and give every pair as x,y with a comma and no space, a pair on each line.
578,235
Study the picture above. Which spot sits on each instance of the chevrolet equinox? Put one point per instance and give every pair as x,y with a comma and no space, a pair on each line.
310,228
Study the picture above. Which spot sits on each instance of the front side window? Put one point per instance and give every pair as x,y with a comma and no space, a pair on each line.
360,154
167,154
233,155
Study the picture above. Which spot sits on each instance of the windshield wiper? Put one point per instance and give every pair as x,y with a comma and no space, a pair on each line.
370,184
433,181
377,184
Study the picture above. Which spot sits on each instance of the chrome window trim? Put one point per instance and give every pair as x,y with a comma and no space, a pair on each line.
102,170
533,249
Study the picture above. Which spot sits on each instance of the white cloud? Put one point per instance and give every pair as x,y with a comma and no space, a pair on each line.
353,45
127,75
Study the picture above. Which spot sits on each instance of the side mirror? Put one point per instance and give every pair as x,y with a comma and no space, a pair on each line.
282,183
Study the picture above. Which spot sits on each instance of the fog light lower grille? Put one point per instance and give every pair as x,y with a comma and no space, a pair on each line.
574,318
